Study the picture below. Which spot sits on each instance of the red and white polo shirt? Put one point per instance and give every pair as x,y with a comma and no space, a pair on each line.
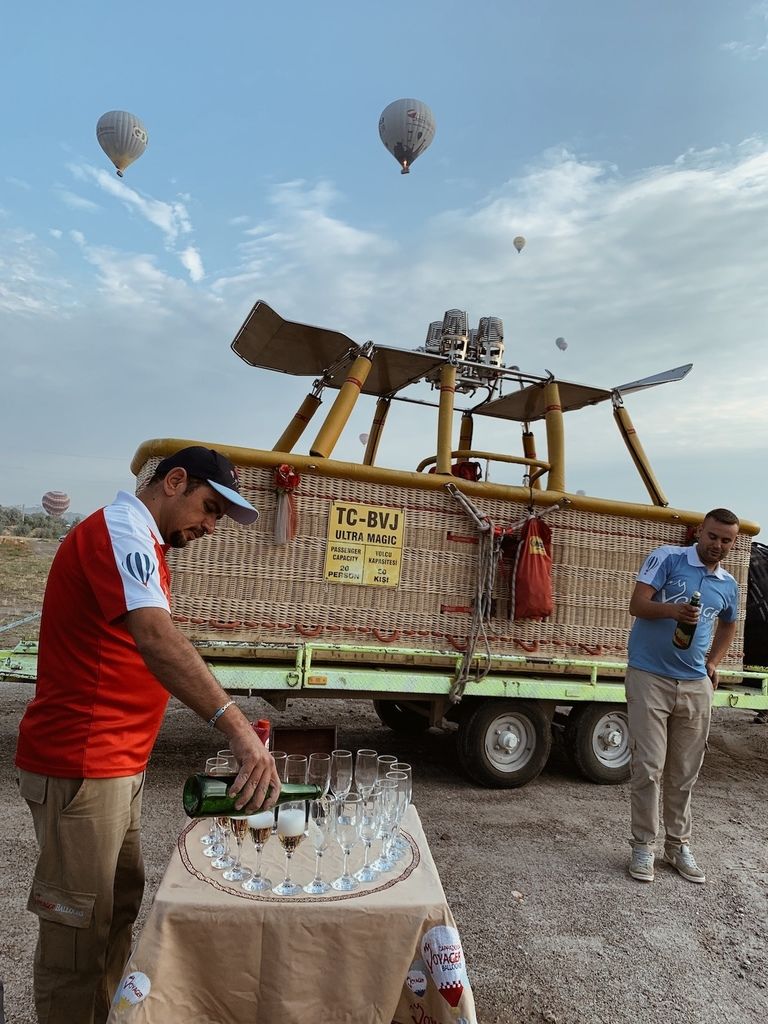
97,708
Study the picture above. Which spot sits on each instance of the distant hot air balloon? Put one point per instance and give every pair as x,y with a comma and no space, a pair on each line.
122,136
406,127
561,343
55,503
363,439
519,243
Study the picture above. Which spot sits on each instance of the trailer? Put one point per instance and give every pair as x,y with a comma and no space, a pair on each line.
402,586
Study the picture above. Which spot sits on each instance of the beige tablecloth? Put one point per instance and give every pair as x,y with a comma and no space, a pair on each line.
211,953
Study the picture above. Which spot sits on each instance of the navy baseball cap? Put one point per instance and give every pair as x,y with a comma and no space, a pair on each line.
217,471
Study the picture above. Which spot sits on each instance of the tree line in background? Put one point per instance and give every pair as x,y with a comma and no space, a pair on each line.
17,522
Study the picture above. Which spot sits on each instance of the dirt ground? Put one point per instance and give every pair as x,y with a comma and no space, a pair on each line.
553,927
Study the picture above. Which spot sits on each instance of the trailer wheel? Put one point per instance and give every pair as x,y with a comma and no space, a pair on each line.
504,743
400,717
597,738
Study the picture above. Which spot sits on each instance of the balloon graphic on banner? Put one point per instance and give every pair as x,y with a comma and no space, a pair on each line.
133,989
519,243
55,503
416,979
123,138
442,953
561,343
406,127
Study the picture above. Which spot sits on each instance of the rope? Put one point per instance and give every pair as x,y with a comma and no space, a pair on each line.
488,554
20,622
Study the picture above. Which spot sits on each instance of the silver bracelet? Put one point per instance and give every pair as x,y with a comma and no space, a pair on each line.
218,713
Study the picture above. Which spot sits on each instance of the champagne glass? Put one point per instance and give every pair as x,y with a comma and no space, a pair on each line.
370,822
260,827
384,763
400,766
238,824
280,757
341,773
320,828
396,850
232,762
221,858
348,811
366,770
388,794
319,771
211,837
290,832
296,768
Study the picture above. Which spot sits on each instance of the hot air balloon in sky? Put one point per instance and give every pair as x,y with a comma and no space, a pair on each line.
122,136
55,503
561,343
519,243
363,438
406,127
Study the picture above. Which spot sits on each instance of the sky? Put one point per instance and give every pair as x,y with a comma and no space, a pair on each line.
627,142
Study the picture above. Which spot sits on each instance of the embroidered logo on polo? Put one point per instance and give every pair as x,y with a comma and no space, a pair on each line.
651,562
139,565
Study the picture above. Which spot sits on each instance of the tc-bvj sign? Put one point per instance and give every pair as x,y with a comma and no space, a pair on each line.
365,544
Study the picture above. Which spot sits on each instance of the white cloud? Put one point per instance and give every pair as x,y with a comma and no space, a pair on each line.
749,50
191,260
171,218
19,183
55,232
75,201
639,274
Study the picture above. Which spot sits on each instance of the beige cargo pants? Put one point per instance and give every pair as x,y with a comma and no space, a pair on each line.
668,729
86,891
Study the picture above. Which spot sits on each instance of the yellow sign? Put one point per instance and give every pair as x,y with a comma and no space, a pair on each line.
365,544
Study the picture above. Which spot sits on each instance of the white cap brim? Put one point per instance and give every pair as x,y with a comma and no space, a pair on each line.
239,509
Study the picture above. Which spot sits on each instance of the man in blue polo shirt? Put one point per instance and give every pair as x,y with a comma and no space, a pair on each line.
669,690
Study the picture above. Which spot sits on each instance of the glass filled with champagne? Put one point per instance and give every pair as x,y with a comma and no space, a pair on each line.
238,824
290,832
260,827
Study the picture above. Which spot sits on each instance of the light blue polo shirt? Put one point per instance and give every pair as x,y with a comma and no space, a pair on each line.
675,573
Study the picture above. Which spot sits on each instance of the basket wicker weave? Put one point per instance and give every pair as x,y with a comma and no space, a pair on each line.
241,585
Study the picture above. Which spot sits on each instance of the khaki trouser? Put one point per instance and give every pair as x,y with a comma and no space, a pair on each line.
668,727
86,891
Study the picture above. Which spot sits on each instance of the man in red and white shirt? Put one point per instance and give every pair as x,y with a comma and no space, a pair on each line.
109,658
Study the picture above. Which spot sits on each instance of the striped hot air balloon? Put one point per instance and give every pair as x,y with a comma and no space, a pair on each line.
55,503
122,136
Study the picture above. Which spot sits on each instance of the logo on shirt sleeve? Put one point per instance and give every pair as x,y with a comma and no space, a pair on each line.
139,565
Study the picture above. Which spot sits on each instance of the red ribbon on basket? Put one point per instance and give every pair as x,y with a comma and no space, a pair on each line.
286,479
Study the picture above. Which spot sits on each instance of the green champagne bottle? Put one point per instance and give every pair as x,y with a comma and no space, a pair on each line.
684,630
207,796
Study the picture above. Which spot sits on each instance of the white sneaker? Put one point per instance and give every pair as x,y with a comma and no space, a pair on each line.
682,860
641,864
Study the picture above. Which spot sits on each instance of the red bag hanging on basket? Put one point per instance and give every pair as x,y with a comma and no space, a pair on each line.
287,479
532,572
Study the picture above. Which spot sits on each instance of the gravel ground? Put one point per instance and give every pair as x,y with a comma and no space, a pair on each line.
553,928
